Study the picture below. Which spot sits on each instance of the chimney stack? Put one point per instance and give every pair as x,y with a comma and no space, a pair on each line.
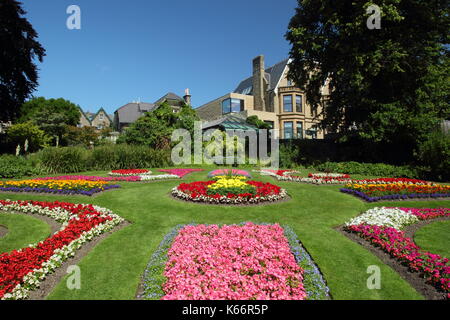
187,97
259,91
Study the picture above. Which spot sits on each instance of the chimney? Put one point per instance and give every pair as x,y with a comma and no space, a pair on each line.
258,83
187,97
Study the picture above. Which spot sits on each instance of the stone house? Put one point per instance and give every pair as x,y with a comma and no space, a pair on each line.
99,120
129,113
271,96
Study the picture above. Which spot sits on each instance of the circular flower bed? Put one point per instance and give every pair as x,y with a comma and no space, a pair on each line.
229,190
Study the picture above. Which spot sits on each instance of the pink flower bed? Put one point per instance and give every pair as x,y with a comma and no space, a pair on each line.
232,263
180,172
426,213
94,178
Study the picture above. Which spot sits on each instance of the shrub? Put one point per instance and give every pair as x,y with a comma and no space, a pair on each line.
63,160
434,156
369,169
16,167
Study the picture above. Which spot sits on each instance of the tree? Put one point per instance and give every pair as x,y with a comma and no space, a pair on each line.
382,82
19,133
155,128
260,124
18,72
51,115
86,136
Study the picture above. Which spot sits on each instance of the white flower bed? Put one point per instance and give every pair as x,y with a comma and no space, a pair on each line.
386,217
159,177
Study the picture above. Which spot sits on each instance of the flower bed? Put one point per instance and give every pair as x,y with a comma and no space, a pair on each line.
208,262
94,178
372,192
180,172
382,228
228,190
129,172
313,178
62,187
22,270
228,172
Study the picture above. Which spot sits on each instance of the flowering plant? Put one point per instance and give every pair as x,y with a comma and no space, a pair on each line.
180,172
22,270
382,227
81,187
316,178
94,178
130,172
230,191
228,172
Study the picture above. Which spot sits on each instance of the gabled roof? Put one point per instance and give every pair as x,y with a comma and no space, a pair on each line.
104,111
273,76
84,114
130,112
169,96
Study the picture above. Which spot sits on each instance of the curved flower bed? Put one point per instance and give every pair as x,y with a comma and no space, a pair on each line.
229,191
180,172
372,192
313,178
236,262
129,172
22,270
94,178
228,172
62,187
382,228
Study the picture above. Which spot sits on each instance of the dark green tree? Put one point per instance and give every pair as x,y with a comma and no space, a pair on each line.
18,71
155,128
386,84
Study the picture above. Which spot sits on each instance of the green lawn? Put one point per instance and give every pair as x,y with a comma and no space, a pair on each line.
435,237
112,270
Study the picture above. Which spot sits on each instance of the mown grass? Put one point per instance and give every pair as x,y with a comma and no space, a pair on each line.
112,270
435,238
22,231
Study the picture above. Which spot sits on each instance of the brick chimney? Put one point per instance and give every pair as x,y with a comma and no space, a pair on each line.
187,97
259,91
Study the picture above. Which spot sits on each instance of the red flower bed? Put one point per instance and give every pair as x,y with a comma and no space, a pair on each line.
14,266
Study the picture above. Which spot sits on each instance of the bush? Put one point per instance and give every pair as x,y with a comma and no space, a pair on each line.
16,167
434,156
63,160
368,169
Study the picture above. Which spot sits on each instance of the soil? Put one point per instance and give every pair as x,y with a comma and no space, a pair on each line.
51,280
414,279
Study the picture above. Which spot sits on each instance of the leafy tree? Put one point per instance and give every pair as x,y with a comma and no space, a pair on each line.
51,115
385,85
18,72
75,136
20,132
260,124
155,128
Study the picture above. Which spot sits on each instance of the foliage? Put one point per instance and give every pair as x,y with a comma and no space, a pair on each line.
18,71
369,169
434,155
81,136
18,133
63,160
260,124
155,128
386,85
289,154
16,167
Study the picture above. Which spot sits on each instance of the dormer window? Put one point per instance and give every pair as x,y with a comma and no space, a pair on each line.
247,90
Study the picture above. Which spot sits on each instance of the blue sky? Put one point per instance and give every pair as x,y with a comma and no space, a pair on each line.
143,49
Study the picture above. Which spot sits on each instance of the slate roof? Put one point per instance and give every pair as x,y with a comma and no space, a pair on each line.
273,75
130,112
234,121
169,96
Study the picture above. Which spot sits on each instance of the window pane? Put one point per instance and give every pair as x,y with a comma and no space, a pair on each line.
226,106
288,130
299,130
237,105
299,103
287,103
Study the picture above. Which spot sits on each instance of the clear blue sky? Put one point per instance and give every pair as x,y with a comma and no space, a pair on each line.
143,49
